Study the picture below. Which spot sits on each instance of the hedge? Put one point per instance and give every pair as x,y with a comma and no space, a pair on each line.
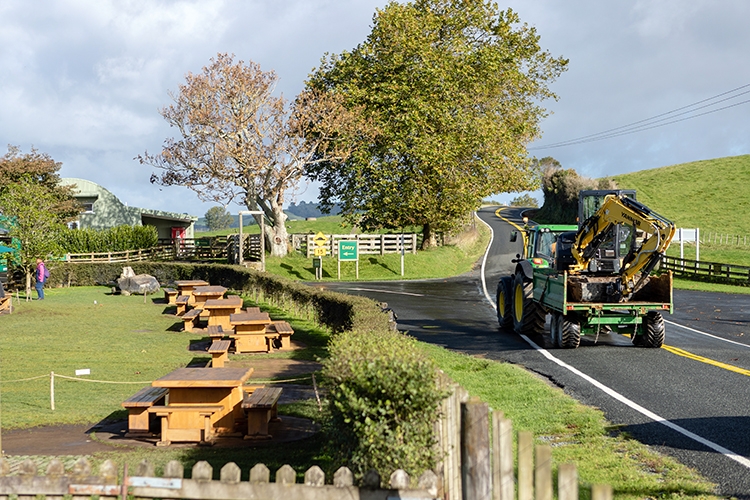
336,311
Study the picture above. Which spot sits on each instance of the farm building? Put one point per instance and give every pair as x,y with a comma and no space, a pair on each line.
103,210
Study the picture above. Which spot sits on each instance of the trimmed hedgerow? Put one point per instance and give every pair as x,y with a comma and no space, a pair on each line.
383,402
115,239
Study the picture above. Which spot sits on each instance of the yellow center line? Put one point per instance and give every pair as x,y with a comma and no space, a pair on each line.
497,213
690,355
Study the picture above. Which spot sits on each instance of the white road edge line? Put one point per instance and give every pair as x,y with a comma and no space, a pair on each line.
706,334
611,392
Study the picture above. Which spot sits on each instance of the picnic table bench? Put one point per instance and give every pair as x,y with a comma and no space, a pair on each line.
203,403
170,295
216,332
190,319
138,405
181,302
260,408
186,287
221,309
250,331
219,351
283,333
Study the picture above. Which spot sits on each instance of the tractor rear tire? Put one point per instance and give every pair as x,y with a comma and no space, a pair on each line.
505,303
570,333
555,331
528,317
653,330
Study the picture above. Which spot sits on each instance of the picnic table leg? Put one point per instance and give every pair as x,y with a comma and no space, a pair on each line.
207,437
164,438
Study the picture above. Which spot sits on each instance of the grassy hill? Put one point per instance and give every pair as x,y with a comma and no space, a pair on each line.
713,195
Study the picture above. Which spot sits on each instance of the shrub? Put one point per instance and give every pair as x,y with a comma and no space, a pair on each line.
116,239
383,400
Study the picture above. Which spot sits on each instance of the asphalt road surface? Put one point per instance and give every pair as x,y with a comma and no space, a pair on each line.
688,399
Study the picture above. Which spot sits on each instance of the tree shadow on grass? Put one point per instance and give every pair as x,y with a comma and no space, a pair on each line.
292,270
376,262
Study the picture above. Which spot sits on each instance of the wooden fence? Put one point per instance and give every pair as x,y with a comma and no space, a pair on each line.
163,252
712,271
372,244
473,466
81,483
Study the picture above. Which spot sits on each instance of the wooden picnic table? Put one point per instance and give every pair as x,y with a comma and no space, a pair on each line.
250,331
203,403
203,293
186,287
219,310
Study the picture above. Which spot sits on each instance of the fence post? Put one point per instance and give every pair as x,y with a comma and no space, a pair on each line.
567,482
475,450
601,492
543,473
414,243
502,457
525,466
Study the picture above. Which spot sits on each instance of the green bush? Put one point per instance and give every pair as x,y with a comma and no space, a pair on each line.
116,239
383,402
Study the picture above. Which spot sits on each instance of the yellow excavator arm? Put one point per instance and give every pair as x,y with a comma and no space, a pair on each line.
643,257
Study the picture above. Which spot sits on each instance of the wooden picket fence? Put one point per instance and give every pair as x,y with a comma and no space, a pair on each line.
81,484
473,466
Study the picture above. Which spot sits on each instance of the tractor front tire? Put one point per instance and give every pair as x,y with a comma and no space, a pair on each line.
505,303
528,317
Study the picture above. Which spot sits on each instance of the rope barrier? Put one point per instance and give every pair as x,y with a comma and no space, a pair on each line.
57,375
24,379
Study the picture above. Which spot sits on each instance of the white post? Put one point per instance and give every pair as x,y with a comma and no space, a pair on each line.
52,390
402,253
240,242
697,244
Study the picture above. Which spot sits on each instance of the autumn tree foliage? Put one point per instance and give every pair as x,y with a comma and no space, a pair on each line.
453,89
239,142
34,206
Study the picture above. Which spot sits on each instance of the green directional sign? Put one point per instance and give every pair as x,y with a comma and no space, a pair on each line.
348,250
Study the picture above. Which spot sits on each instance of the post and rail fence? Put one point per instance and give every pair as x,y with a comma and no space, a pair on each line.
712,271
370,244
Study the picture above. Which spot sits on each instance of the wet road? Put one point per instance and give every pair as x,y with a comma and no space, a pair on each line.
688,399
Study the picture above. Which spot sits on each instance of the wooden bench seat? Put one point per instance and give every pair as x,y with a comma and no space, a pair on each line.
190,319
169,434
260,407
219,351
216,332
281,331
252,310
182,303
138,405
170,295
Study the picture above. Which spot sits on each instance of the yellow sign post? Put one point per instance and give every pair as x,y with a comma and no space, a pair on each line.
320,241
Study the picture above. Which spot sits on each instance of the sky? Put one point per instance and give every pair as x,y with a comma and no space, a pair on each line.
83,80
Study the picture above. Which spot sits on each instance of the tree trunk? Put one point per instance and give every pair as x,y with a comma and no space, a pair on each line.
428,237
276,234
28,285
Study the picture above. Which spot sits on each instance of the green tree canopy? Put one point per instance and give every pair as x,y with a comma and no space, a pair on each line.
218,218
453,89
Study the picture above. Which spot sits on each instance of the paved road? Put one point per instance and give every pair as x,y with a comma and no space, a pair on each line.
688,399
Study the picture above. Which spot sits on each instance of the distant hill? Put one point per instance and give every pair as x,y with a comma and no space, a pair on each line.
306,209
713,195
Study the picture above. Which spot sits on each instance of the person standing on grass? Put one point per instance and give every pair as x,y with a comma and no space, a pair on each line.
41,277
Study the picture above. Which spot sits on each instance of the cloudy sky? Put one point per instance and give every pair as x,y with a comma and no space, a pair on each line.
83,80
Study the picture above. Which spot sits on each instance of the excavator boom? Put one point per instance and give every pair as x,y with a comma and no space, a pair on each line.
645,251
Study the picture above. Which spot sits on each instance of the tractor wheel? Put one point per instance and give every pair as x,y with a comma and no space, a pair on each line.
505,303
570,334
555,330
653,330
528,317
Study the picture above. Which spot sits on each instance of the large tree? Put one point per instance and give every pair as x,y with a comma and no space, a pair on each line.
240,143
453,88
33,206
218,218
